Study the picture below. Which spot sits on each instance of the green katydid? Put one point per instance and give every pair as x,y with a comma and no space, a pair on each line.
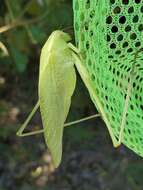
57,80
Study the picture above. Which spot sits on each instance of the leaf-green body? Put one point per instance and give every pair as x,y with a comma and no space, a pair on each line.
57,81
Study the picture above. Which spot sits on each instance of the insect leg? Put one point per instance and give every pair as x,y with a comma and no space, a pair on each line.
124,117
72,47
81,120
20,131
129,89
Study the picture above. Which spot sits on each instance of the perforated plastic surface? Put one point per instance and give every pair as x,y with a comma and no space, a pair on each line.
109,33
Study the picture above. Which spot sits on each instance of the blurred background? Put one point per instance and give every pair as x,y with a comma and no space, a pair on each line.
89,160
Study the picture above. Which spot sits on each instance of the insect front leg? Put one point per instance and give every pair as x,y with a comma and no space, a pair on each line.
20,131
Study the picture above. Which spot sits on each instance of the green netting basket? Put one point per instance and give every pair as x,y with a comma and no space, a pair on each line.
109,33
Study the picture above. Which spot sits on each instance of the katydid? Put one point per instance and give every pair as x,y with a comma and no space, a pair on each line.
57,80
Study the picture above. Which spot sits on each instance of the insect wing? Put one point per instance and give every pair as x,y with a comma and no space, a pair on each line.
56,86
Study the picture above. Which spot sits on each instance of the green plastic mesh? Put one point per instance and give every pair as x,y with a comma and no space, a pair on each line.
109,33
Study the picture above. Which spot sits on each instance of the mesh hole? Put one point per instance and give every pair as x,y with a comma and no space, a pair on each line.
92,14
118,73
125,2
125,44
109,20
142,9
130,50
122,20
113,46
131,10
114,29
91,33
118,52
112,1
86,26
133,36
140,28
135,18
108,38
87,45
87,5
132,107
137,1
117,10
120,37
128,28
141,107
92,77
